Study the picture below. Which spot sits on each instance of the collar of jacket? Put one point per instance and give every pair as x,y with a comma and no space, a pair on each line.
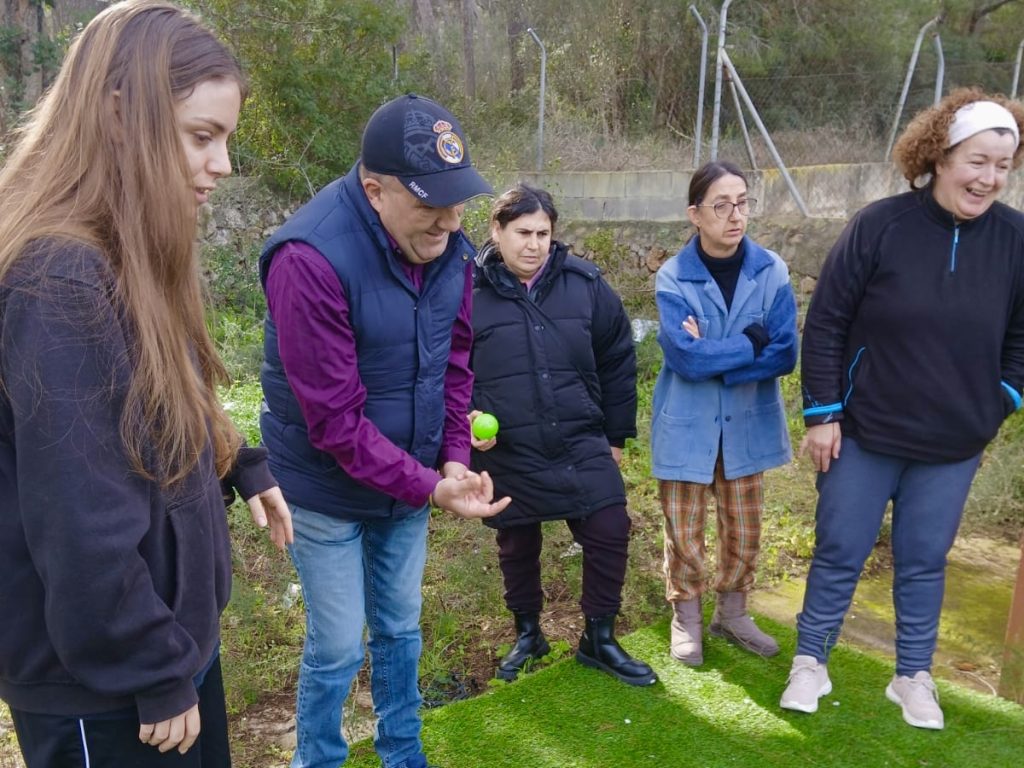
941,216
492,269
352,188
691,267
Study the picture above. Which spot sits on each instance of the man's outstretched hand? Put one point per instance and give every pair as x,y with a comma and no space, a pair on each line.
468,494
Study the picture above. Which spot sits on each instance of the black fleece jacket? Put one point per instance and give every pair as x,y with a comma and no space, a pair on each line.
111,585
915,334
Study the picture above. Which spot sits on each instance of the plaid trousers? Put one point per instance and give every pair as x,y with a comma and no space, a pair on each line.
739,503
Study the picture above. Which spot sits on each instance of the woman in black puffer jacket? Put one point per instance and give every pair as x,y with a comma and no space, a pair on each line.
554,362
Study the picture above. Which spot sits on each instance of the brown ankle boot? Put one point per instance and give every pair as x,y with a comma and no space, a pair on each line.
687,628
732,622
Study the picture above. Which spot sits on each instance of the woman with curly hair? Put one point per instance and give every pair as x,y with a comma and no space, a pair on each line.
116,457
892,413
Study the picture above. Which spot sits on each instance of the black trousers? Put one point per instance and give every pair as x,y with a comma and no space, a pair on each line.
604,537
54,741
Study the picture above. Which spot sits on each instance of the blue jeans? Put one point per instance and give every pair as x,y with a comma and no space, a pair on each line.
928,501
356,573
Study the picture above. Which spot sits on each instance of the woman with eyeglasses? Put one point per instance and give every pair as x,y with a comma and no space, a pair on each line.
728,331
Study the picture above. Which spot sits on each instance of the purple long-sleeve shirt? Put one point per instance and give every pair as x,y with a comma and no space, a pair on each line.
317,345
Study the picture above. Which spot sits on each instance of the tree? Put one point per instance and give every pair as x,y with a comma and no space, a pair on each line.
317,70
966,16
515,28
468,39
23,27
33,38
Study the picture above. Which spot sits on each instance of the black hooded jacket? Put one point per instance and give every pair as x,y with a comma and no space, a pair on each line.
556,366
112,584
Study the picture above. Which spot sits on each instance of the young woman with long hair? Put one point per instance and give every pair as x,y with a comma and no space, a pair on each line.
114,450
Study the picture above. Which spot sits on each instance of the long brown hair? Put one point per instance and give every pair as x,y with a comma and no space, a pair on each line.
99,160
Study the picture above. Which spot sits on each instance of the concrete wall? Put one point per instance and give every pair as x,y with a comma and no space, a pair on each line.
830,191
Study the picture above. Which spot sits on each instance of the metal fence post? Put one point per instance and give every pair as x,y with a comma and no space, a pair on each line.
717,113
1016,71
743,122
543,85
764,133
940,70
701,85
906,85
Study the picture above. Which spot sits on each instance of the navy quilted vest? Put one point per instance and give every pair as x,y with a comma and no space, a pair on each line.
403,338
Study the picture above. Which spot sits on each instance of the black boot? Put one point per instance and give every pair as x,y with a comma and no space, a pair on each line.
599,649
530,646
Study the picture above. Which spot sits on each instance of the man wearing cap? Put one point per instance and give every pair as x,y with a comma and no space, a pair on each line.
367,385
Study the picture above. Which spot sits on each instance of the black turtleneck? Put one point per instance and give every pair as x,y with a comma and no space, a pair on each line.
724,271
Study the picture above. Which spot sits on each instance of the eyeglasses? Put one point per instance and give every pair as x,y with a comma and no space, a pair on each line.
723,208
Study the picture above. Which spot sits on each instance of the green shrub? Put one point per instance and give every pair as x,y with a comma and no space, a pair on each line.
237,306
317,71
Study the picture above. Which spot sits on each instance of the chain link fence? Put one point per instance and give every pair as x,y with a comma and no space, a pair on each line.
820,120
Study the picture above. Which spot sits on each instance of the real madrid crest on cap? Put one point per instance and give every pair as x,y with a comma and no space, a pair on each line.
449,147
422,144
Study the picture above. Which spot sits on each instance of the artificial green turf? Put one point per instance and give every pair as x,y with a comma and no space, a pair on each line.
724,713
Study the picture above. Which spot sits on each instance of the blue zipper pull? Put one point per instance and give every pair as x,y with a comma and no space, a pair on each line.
956,239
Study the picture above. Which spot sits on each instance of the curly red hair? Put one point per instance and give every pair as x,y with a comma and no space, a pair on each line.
923,142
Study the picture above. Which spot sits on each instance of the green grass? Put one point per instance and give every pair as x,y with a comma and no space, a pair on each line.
262,627
466,627
724,713
465,624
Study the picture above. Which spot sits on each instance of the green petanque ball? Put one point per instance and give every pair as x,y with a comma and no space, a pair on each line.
485,426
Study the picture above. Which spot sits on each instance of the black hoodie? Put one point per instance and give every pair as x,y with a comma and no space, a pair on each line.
111,585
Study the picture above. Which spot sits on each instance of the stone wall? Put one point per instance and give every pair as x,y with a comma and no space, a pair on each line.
630,253
828,191
244,213
629,222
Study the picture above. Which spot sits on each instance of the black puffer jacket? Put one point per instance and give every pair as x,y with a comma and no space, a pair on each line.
558,369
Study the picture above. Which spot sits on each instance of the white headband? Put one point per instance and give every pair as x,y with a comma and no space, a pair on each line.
980,116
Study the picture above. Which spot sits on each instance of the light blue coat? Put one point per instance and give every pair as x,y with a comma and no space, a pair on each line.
712,390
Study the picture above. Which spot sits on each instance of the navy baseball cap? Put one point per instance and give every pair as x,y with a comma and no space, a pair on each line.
422,144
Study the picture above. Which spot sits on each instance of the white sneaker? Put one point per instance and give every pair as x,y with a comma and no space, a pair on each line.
918,698
808,682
